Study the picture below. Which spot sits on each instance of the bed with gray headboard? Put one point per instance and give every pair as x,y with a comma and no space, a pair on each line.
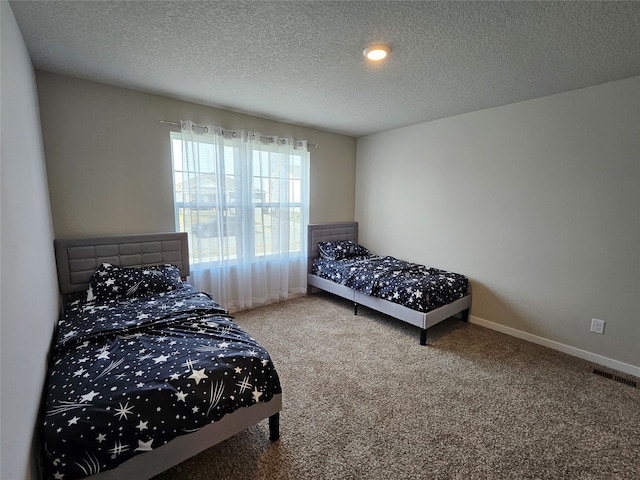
169,343
332,232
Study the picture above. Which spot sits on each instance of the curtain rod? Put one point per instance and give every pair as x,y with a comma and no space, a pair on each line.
173,122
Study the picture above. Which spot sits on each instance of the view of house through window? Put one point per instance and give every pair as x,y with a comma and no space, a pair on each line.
238,201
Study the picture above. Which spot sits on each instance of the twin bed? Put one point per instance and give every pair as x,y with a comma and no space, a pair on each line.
146,372
415,294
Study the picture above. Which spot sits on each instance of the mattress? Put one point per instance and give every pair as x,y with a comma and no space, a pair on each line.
409,284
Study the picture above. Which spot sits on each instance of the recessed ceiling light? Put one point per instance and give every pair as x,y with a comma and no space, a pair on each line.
376,52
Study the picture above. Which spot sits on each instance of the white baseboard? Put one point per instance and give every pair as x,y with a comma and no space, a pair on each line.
561,347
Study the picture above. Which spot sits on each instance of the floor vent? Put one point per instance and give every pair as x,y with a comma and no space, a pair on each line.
610,376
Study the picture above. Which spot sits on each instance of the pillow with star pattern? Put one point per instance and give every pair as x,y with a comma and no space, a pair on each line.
340,249
111,281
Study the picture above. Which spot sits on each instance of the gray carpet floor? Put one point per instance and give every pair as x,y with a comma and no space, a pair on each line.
363,400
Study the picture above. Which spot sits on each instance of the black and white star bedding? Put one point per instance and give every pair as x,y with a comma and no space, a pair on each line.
130,373
412,285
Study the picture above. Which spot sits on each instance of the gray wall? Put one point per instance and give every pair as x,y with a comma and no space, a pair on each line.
29,298
538,202
109,160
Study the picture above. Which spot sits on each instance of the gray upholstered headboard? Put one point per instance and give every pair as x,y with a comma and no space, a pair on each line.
77,258
327,232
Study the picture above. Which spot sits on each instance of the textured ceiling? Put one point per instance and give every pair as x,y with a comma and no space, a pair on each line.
301,61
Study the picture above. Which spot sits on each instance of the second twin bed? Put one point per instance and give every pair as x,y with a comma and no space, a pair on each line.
416,294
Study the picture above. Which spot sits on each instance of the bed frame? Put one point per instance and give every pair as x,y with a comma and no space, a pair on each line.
349,231
77,259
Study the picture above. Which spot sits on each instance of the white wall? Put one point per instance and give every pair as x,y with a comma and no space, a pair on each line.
538,202
109,160
29,305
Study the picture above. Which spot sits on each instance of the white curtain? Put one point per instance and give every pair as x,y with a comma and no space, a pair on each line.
243,197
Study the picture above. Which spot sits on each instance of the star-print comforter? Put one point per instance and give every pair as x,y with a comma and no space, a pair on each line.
412,285
128,375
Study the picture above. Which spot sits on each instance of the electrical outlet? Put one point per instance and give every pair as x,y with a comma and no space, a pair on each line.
597,326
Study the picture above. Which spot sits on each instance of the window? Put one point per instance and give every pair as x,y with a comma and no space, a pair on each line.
238,198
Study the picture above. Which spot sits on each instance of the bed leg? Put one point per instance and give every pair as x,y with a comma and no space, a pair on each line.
274,427
355,308
465,315
423,336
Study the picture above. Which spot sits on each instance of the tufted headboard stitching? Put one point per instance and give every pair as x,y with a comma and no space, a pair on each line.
78,258
327,232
